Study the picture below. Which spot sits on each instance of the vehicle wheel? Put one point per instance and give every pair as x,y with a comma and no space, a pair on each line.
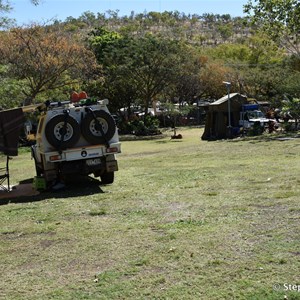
90,127
107,177
55,129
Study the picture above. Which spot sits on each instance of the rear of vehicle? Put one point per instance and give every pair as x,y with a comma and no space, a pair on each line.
251,115
76,139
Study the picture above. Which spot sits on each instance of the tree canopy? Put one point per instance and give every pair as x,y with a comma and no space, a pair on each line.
147,64
166,56
44,59
5,8
279,18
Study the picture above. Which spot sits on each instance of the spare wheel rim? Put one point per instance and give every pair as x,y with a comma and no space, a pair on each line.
58,131
93,127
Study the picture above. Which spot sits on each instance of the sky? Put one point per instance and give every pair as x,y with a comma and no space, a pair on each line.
25,13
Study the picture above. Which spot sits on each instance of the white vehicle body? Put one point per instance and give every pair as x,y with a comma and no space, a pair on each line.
251,115
76,138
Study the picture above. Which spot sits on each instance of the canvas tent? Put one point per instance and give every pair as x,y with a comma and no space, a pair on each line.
216,125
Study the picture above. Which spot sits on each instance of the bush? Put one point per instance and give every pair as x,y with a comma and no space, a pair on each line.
257,129
148,126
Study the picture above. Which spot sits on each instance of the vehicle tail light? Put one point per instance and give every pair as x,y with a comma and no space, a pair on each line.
55,157
112,150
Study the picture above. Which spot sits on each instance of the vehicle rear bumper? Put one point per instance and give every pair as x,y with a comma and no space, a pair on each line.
82,153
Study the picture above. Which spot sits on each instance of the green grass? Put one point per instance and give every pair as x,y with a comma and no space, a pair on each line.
185,219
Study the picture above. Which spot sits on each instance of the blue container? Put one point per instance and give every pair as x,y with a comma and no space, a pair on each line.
250,107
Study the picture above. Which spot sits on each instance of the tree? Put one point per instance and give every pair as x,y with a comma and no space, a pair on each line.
45,59
100,40
5,8
10,91
212,77
151,65
256,64
225,30
257,50
279,18
145,66
291,106
108,47
263,83
290,84
188,86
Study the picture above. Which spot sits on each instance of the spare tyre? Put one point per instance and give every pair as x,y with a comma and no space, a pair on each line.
98,127
62,131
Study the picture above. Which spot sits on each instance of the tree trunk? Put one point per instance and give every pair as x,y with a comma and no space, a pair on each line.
146,108
28,101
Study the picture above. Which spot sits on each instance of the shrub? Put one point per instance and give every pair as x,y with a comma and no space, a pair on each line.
148,126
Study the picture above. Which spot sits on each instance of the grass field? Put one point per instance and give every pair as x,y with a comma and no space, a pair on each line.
185,219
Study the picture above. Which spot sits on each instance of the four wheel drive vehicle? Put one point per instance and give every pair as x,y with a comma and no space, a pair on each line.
251,115
76,139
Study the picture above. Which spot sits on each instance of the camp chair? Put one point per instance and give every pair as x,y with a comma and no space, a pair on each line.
4,176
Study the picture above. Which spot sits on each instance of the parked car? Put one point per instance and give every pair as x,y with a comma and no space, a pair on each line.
76,138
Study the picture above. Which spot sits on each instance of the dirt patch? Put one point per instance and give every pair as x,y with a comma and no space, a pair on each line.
19,191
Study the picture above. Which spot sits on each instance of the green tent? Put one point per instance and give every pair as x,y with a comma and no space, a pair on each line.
217,124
